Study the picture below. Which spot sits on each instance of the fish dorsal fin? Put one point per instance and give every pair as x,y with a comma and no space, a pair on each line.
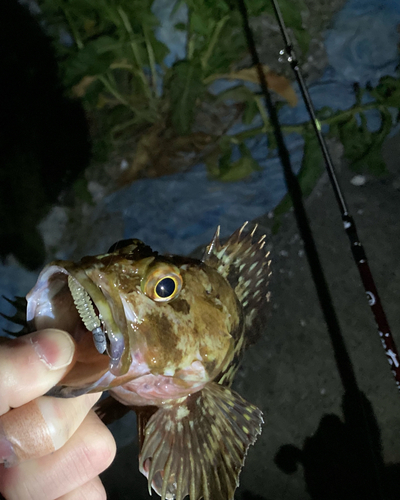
197,447
247,268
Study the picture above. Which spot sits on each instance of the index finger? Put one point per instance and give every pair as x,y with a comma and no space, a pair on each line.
33,364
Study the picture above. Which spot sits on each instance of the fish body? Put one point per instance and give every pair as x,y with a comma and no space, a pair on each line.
166,332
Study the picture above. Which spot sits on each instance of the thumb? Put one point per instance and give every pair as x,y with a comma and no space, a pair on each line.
32,364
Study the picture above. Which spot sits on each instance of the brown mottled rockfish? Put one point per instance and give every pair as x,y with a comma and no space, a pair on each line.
164,335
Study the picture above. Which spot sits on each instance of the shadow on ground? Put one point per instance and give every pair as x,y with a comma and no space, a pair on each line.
343,460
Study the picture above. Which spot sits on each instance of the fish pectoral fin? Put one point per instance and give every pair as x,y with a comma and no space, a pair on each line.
197,447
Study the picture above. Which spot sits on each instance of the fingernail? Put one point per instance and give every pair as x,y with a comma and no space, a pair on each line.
54,347
7,455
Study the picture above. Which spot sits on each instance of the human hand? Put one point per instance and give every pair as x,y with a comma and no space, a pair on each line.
50,448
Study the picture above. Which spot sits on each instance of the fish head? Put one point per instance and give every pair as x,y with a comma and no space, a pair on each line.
165,316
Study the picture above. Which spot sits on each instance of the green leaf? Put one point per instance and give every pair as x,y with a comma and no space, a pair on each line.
201,24
212,162
373,159
303,38
239,93
160,49
250,112
388,91
324,113
185,86
258,7
362,147
94,59
239,169
231,46
292,13
351,139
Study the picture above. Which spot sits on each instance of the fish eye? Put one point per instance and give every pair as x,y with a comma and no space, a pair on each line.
162,284
166,287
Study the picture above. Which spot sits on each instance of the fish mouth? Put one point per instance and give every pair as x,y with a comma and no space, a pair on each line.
66,298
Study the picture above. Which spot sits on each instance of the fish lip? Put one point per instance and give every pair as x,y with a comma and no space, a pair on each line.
117,350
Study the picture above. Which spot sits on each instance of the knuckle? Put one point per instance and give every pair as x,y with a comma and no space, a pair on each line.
97,453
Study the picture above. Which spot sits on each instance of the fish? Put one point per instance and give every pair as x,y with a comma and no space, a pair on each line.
165,335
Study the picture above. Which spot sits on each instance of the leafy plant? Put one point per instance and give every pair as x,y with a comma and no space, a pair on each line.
111,59
115,64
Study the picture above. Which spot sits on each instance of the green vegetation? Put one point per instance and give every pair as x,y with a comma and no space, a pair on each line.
159,119
114,63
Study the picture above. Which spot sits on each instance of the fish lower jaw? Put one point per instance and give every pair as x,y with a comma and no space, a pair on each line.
154,390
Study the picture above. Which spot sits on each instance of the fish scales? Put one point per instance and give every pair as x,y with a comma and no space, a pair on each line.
173,330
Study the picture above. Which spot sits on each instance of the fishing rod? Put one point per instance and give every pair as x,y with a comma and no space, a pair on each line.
357,249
